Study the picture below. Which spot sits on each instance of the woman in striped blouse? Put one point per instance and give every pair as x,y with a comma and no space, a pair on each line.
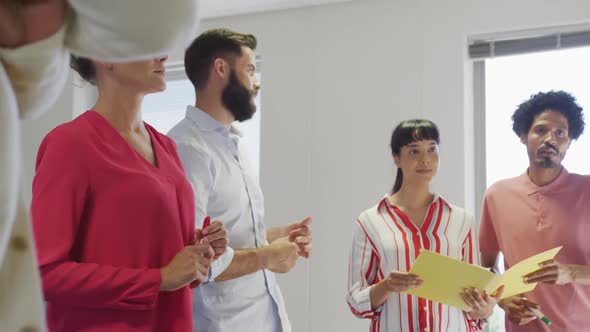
388,238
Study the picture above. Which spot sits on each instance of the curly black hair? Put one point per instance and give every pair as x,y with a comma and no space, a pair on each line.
559,101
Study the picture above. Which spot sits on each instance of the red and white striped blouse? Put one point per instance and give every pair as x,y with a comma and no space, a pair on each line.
386,240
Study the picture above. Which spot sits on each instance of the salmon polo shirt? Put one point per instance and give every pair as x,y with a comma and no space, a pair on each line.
521,219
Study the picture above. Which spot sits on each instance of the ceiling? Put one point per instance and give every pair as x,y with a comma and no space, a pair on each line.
219,8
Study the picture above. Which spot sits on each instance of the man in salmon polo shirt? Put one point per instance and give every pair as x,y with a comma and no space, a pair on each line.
543,208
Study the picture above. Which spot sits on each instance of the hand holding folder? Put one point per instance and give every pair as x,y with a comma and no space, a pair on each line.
445,278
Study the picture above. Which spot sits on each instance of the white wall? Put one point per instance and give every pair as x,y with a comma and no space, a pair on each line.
76,97
34,131
336,80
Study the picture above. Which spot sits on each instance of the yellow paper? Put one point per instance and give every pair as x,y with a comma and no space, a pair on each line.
445,278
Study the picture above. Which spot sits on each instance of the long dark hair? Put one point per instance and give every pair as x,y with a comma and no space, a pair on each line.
407,132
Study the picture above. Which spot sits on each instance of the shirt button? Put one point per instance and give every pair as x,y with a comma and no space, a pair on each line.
18,243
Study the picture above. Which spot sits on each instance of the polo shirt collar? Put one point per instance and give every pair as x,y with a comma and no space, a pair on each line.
559,182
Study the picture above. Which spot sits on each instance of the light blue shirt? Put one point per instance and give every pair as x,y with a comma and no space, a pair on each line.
227,188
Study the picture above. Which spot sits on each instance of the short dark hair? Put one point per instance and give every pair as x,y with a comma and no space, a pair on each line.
559,101
407,132
84,67
208,46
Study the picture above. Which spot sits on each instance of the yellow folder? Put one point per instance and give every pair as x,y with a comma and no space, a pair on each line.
445,278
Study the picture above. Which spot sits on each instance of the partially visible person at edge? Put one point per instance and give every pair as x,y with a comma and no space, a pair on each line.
35,40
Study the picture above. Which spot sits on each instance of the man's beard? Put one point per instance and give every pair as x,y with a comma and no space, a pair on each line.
238,99
546,162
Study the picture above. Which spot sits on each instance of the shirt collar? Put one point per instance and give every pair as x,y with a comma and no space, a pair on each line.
532,188
206,122
436,198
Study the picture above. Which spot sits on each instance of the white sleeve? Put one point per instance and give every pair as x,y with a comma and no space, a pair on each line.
470,254
115,30
363,272
38,72
219,265
470,247
196,164
9,160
